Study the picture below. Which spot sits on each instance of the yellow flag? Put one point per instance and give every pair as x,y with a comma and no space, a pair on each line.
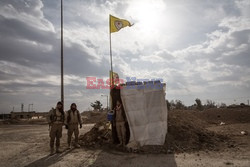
115,24
114,77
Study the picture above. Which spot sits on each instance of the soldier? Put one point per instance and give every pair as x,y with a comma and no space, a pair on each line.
120,120
72,120
56,120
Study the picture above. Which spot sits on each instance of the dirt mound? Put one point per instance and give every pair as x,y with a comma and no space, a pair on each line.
227,115
98,136
186,133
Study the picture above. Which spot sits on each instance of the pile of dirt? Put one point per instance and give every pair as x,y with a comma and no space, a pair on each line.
98,136
186,133
226,115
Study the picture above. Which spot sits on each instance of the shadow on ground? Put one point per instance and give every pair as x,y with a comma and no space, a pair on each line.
114,158
49,159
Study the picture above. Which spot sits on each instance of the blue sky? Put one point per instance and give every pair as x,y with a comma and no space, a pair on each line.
199,48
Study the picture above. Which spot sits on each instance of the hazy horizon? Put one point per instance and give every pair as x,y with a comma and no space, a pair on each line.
199,48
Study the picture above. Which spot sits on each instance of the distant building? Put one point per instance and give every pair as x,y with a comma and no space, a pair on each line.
22,115
5,116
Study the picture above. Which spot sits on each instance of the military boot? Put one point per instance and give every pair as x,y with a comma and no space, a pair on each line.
119,145
124,143
69,147
51,151
77,145
58,150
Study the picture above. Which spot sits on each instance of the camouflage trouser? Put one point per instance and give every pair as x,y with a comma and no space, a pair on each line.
55,133
73,128
121,132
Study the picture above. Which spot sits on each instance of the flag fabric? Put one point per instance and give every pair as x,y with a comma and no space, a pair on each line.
114,81
115,24
114,77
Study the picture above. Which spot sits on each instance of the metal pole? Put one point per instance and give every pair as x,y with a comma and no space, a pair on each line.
111,77
107,103
107,100
22,106
111,63
110,51
62,89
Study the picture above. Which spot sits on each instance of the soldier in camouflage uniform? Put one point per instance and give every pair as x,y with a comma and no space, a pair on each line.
120,120
56,121
72,120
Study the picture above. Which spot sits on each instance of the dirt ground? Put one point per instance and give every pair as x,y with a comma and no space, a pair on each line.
28,145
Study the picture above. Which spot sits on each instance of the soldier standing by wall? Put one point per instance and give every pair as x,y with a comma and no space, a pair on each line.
72,120
56,120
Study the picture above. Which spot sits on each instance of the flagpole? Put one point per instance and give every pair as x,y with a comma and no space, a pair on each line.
111,80
62,84
111,64
110,51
